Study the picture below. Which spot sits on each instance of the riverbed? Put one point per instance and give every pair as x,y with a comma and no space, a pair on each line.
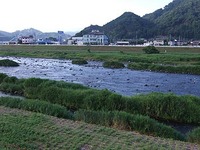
122,81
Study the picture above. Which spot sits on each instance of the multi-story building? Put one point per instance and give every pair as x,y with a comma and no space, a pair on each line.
27,39
95,38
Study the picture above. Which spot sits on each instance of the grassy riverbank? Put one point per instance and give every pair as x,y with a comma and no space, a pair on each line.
170,59
26,130
138,113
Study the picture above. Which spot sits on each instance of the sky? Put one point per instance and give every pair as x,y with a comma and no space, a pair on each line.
69,15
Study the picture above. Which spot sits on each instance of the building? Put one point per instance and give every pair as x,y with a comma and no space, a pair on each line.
27,39
95,38
122,43
75,41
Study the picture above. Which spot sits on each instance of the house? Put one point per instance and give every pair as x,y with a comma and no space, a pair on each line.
27,39
95,38
158,42
75,41
122,43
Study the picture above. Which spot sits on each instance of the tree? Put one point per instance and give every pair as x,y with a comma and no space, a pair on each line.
150,50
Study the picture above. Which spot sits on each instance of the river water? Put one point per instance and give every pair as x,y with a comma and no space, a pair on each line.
123,81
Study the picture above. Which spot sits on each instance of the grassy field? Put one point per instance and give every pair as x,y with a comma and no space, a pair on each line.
27,130
170,59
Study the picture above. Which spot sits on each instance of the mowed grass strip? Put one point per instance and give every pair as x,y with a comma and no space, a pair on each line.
27,130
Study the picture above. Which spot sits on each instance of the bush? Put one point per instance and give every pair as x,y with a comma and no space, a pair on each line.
194,136
126,121
8,63
113,64
150,50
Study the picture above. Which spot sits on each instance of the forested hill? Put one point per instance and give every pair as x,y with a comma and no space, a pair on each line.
127,26
180,18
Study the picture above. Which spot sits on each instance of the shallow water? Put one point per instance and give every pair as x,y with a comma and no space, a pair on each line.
9,95
123,81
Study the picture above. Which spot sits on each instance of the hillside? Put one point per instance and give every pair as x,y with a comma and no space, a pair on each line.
180,19
27,130
127,26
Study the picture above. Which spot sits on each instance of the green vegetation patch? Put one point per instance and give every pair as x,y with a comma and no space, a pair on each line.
169,107
37,106
8,63
126,121
113,64
165,68
79,62
194,136
57,97
26,130
151,50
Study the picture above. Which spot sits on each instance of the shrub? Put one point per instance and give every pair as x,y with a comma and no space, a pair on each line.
194,136
113,64
150,50
79,62
8,63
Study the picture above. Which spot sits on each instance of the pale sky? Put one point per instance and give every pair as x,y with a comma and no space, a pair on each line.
68,15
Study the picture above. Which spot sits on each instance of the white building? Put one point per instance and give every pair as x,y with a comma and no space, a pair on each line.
95,38
27,39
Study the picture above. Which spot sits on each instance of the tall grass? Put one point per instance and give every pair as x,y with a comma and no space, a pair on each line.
183,109
194,136
126,121
181,69
37,106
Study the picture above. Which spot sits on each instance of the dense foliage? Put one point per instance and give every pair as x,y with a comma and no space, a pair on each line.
179,18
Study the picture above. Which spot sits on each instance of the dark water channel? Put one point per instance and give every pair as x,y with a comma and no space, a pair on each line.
123,81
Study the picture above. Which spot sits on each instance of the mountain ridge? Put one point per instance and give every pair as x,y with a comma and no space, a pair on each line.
178,19
7,36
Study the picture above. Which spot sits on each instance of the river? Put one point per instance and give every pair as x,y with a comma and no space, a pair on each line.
123,81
